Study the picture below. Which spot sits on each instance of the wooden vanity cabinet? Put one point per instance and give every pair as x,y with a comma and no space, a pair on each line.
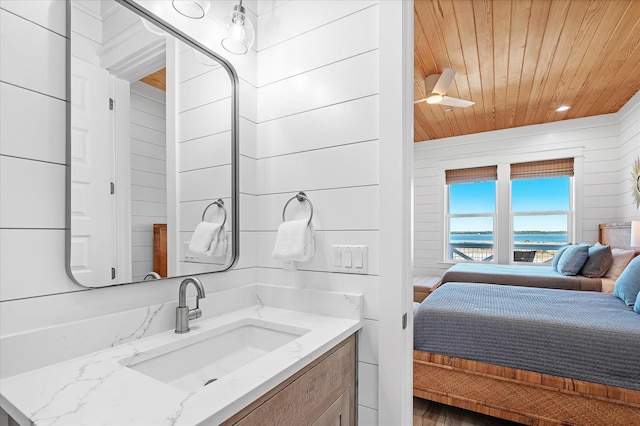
321,394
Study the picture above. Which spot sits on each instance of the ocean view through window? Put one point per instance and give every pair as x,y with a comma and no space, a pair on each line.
541,212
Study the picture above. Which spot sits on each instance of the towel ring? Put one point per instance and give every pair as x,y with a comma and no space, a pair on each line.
220,204
300,196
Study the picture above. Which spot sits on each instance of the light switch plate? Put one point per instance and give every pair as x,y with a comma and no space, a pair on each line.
351,259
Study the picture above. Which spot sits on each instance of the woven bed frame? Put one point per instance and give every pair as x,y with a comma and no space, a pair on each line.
524,396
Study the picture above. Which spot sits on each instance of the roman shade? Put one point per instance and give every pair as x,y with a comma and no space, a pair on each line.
542,169
473,174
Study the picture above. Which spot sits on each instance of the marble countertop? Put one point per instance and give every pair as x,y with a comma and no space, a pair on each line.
99,389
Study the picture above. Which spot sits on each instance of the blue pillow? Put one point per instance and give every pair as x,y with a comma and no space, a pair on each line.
558,255
573,258
636,307
598,263
627,285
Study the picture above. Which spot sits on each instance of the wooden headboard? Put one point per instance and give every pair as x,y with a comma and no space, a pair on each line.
616,235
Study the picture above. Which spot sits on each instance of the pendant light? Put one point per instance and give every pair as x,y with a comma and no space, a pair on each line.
239,33
195,9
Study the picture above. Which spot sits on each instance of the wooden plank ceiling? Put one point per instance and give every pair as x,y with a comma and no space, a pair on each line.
520,59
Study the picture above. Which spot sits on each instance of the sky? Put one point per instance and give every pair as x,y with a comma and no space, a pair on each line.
528,195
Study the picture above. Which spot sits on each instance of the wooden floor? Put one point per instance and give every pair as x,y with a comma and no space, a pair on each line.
429,413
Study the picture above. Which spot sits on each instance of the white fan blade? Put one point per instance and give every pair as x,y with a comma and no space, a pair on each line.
445,80
455,102
420,100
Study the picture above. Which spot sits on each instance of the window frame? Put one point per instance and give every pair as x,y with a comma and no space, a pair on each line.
570,213
503,221
449,216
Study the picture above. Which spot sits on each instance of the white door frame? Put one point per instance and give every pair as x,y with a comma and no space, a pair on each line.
395,369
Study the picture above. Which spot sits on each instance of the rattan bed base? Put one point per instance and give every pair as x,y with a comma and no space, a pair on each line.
521,396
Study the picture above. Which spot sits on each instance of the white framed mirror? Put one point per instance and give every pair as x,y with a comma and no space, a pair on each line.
152,145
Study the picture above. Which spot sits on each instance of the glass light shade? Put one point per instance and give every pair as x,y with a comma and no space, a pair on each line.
434,99
635,233
195,9
239,33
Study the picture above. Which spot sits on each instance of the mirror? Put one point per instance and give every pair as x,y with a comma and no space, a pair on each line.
152,147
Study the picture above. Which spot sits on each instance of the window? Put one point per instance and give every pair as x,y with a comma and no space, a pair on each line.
471,213
535,219
541,208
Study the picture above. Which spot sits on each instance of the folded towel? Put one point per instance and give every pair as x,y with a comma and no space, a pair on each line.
205,238
220,248
294,241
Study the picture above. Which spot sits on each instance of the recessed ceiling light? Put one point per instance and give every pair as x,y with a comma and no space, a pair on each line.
562,108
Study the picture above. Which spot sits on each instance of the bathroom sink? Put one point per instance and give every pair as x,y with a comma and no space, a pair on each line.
200,359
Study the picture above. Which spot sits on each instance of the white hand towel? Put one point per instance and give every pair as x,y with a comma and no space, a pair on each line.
220,248
294,241
204,238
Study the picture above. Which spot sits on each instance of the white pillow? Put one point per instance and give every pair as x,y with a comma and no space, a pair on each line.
621,259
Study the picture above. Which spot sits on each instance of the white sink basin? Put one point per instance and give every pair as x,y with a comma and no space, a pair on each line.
200,359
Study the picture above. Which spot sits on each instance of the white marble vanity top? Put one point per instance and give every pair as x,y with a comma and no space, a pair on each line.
97,389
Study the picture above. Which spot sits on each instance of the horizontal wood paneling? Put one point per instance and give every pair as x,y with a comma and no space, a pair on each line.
327,168
207,151
20,41
207,119
291,134
205,184
294,57
33,125
22,249
50,14
29,201
310,90
302,17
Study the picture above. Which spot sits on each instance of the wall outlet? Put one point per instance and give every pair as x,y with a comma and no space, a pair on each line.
351,259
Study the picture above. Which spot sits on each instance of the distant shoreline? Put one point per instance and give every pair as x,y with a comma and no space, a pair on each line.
516,232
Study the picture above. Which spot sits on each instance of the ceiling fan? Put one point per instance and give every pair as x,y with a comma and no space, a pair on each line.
436,86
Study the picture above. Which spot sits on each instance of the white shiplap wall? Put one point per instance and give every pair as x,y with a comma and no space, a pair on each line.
33,276
629,151
317,113
148,173
603,146
310,122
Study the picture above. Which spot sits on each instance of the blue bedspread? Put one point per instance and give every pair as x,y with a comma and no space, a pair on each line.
582,335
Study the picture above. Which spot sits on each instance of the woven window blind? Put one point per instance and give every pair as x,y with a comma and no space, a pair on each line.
542,169
474,174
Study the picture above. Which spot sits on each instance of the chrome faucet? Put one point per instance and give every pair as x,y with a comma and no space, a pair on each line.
183,313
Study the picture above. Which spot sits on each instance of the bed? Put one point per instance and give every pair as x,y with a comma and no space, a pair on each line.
615,235
579,389
523,275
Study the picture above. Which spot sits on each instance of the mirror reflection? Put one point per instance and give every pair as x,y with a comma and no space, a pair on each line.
151,146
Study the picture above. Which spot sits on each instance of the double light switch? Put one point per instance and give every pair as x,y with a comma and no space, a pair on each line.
350,259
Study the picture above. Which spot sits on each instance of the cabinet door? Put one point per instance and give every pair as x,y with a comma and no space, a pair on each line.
337,414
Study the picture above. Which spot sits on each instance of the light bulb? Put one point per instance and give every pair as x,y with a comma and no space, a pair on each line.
239,32
434,99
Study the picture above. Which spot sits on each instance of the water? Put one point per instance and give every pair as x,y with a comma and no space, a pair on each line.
532,238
